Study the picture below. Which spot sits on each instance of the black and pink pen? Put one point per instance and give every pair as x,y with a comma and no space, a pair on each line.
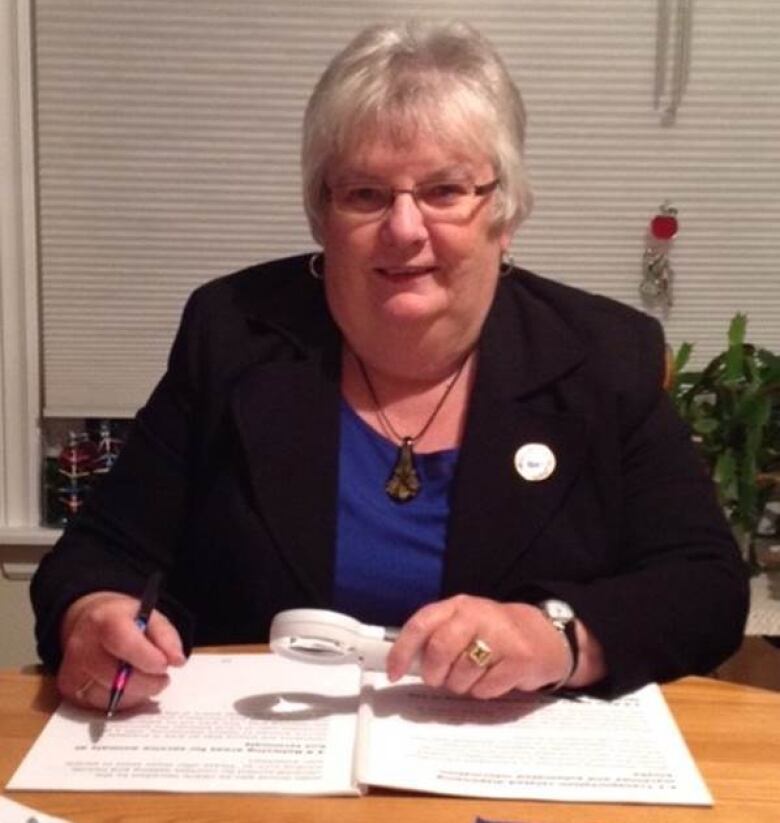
124,670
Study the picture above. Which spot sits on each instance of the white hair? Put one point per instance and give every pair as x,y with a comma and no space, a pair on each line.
442,81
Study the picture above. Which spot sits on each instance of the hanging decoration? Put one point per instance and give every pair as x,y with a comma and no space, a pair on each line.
656,288
674,26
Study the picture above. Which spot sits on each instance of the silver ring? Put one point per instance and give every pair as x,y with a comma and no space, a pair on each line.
479,653
316,265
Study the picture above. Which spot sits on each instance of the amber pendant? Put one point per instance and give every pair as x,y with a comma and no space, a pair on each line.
404,482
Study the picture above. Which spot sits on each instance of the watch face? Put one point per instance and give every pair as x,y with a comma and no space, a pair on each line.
558,610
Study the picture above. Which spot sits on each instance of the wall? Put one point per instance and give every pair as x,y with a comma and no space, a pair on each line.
17,646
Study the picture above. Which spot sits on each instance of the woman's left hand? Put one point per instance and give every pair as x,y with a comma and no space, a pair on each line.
526,651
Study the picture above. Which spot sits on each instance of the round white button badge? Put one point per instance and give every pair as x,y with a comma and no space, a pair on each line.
534,462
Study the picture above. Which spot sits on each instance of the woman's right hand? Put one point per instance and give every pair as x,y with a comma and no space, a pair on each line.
98,632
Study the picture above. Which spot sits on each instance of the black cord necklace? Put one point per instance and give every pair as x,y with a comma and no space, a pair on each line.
404,483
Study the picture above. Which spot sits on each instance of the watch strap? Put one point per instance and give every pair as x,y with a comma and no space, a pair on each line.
568,632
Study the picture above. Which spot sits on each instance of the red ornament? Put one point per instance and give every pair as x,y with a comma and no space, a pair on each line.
663,226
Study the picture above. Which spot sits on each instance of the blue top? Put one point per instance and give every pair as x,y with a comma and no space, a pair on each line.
389,556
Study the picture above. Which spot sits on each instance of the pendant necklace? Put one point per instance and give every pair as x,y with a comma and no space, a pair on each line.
404,483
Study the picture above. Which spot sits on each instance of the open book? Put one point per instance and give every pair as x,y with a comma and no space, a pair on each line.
260,723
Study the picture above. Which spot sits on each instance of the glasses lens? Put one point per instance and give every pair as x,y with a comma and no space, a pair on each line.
362,199
443,196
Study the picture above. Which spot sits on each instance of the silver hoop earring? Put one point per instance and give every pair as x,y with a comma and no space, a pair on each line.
314,262
507,264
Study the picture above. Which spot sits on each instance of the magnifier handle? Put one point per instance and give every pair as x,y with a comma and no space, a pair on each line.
373,652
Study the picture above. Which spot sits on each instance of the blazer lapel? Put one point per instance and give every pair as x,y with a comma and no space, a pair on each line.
287,415
496,513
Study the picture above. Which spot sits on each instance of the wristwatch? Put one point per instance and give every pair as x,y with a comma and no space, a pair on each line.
562,616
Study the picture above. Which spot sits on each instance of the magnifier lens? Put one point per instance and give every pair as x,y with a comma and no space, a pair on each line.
321,647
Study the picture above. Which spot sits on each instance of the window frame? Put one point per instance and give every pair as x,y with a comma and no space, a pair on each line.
19,288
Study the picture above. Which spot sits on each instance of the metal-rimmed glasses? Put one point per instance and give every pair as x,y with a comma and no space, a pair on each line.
440,200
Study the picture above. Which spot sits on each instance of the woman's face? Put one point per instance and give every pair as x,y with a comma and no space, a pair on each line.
406,271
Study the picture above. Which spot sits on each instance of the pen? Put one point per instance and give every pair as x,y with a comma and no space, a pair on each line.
148,602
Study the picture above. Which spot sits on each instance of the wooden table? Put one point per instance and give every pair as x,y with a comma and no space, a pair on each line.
733,732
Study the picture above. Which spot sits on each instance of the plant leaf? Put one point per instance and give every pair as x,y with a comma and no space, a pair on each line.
735,352
705,425
682,357
726,477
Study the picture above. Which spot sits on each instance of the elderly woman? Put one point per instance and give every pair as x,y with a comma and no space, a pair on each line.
406,429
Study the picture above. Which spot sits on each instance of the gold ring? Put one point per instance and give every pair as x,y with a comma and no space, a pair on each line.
479,653
81,692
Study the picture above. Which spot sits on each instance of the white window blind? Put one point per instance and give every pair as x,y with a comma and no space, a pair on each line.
168,132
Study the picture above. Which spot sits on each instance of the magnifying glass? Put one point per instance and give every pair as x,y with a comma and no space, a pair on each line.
322,636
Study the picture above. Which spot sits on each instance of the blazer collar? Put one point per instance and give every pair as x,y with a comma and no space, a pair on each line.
525,344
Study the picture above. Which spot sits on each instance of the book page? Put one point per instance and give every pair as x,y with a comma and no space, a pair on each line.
539,747
226,723
13,812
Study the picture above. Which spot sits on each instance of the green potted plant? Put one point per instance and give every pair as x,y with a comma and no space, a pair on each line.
733,409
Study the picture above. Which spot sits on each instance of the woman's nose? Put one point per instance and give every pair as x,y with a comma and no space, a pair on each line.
404,223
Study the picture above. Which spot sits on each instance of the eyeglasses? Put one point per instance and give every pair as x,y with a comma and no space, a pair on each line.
443,200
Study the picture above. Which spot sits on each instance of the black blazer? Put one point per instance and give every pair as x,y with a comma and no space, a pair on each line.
228,480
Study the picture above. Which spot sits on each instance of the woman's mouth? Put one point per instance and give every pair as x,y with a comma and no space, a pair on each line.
404,272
